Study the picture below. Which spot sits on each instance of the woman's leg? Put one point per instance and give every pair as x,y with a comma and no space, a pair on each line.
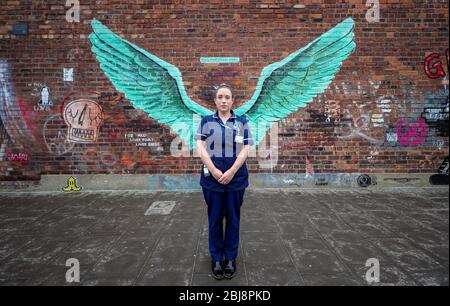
233,203
215,202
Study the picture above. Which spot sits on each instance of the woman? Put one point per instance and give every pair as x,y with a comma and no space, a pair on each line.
223,141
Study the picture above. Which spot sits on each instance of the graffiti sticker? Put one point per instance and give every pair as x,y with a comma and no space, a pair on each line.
84,118
71,185
45,103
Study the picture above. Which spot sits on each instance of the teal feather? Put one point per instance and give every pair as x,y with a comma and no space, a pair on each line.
156,87
288,85
150,83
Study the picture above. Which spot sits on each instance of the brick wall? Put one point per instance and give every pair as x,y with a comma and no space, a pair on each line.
385,111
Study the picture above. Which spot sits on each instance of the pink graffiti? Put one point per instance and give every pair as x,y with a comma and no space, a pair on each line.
18,157
411,134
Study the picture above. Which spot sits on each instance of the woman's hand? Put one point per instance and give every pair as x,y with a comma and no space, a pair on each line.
217,174
227,177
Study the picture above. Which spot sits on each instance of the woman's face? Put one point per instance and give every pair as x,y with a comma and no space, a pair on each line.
223,100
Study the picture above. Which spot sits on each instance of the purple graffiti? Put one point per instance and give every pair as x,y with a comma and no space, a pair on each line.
411,134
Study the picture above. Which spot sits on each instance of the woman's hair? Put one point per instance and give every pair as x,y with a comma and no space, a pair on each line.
222,85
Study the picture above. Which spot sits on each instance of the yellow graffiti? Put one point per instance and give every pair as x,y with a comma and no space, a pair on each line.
71,185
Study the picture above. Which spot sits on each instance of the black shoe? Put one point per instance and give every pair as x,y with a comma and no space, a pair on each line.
216,269
230,269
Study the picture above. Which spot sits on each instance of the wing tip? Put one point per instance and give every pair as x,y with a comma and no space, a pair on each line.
95,22
98,27
349,21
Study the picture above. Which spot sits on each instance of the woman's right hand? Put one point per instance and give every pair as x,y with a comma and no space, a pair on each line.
217,174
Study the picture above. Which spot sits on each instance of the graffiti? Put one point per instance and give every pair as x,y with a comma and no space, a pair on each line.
391,138
71,185
372,154
4,140
322,181
84,118
435,69
437,117
332,111
36,88
435,114
364,180
366,88
2,151
55,135
384,103
439,143
374,118
411,134
143,140
377,120
444,167
389,109
363,122
45,103
443,172
18,121
357,128
18,157
68,74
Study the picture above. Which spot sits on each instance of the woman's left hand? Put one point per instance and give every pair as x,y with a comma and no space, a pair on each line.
226,177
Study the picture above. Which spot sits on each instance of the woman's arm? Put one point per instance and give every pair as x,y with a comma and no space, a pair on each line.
206,159
240,160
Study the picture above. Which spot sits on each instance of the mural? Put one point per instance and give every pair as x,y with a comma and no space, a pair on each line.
385,108
156,87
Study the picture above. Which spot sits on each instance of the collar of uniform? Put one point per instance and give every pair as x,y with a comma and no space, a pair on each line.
216,115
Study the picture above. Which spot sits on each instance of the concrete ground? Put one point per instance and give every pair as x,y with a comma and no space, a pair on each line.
302,237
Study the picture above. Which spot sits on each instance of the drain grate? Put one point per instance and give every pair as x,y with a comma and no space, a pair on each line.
160,208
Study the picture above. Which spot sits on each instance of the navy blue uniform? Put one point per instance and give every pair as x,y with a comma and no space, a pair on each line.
223,144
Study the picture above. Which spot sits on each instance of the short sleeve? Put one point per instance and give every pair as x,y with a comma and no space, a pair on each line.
201,133
248,138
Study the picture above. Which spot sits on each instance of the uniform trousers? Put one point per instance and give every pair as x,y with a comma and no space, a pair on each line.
223,244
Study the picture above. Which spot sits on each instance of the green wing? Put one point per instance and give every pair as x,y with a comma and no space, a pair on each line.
150,83
292,83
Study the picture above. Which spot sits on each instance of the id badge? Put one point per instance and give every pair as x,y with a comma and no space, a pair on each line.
239,139
205,171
